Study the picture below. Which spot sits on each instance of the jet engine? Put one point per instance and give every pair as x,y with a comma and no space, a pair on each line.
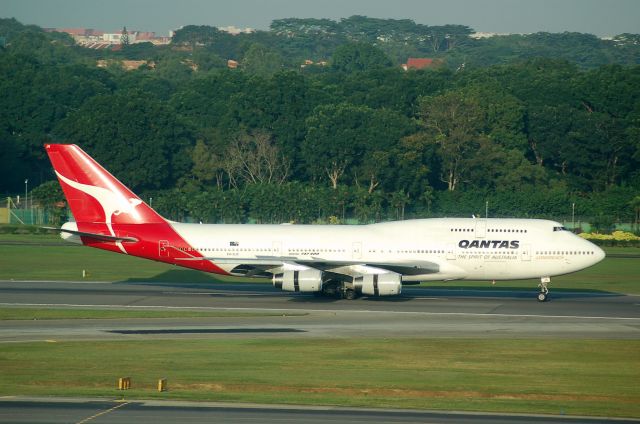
308,280
386,284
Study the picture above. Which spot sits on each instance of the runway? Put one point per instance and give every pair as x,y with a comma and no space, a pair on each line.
419,312
261,311
30,410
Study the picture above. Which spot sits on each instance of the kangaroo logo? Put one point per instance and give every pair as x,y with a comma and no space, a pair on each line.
111,202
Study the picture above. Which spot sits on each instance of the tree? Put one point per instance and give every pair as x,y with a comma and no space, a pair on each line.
252,158
206,102
207,61
124,38
497,168
37,96
447,37
354,57
635,205
208,163
608,97
174,69
351,139
398,200
330,143
50,197
291,27
195,35
136,137
375,165
262,61
453,121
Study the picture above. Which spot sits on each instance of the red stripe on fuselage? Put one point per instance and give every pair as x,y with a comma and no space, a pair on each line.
148,245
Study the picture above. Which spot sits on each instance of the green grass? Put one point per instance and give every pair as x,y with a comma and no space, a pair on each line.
575,377
66,262
53,313
32,238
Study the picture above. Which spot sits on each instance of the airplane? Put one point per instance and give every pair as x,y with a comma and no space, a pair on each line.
344,261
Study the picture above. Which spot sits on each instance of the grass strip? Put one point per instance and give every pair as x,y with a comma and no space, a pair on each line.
54,313
67,263
574,377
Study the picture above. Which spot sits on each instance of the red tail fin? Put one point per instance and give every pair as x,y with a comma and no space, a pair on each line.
109,216
94,195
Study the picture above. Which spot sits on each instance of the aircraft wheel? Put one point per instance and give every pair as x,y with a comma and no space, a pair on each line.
350,294
542,297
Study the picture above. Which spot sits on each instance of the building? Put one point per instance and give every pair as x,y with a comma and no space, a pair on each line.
235,31
421,63
91,38
115,37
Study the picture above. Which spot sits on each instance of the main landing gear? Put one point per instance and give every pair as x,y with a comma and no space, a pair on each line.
339,290
544,291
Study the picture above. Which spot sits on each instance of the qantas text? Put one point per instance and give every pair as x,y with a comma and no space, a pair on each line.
489,244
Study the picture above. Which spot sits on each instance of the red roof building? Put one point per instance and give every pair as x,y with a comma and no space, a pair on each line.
420,63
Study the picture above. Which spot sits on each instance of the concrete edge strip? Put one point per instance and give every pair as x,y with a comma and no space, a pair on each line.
290,310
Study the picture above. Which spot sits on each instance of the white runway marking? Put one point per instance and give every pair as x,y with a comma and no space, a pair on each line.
182,293
294,310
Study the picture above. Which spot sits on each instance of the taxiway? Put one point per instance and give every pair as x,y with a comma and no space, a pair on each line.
418,312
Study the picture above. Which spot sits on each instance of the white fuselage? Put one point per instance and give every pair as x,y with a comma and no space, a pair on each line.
423,250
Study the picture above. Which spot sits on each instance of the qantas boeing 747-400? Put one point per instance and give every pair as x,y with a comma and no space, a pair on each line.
340,260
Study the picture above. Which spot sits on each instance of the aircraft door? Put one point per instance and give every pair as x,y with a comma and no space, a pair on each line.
526,252
357,250
276,247
451,251
163,248
481,228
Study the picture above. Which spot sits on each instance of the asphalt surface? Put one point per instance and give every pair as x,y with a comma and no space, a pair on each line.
418,312
18,411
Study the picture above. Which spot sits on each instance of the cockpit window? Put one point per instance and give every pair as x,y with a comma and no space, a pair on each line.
559,229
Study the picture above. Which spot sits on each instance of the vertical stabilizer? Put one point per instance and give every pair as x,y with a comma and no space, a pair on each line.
94,195
109,216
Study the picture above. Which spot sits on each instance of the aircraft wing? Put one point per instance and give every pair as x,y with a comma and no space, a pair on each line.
265,266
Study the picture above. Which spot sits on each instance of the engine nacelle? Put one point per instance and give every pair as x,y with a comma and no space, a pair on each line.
387,284
308,280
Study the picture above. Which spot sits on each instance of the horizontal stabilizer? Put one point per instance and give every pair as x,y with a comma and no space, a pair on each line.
100,237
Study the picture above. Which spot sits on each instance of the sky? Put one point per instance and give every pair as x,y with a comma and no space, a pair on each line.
600,17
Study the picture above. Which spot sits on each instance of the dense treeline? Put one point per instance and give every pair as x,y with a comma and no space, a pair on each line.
357,138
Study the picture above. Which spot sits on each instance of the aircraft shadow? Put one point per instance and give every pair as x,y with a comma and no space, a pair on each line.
174,276
314,299
208,331
189,279
504,292
197,280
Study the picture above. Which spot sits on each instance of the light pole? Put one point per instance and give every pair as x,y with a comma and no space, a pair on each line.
486,210
573,217
26,199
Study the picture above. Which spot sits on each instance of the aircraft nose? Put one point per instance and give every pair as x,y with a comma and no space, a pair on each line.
598,253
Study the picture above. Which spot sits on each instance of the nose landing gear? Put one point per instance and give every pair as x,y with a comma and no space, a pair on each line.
544,290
